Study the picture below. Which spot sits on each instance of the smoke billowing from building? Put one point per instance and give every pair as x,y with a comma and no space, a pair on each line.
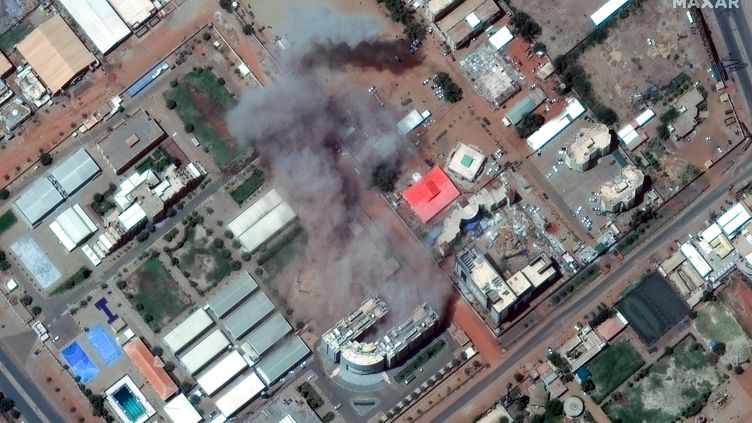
295,127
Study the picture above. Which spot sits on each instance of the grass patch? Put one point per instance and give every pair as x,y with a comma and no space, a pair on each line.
7,220
312,397
420,360
677,385
14,36
715,322
157,295
202,102
106,204
248,187
221,259
81,275
612,367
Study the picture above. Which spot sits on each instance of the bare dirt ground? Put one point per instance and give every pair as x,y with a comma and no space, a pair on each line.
563,23
625,65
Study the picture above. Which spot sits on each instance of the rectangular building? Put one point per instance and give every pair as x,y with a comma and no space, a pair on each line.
72,227
99,21
151,367
240,287
133,139
38,201
55,53
191,328
221,373
262,220
266,335
248,315
75,171
240,394
200,355
285,357
180,410
525,106
696,259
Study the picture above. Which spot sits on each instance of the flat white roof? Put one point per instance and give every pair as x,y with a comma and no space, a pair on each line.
231,294
711,233
190,329
267,227
75,171
255,212
605,11
501,38
645,117
240,394
627,134
39,199
132,216
221,372
553,127
696,259
180,410
734,219
200,355
473,20
410,122
72,227
134,12
99,21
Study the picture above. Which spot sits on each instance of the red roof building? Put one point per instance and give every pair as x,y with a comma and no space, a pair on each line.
151,367
432,194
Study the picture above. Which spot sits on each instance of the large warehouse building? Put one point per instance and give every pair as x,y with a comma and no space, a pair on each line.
232,294
276,364
55,53
266,335
262,220
46,193
99,21
248,315
72,227
190,329
240,394
130,141
221,372
200,355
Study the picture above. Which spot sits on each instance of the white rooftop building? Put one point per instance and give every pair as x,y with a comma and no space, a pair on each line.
240,394
553,127
199,356
221,373
180,410
696,259
99,21
72,227
262,220
501,38
606,11
734,219
184,333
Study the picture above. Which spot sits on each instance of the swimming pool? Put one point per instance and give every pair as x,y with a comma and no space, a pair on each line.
80,364
128,402
104,345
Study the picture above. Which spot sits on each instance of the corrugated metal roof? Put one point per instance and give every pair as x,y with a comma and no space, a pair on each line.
200,355
39,199
248,315
231,294
221,372
75,171
188,330
55,53
267,334
99,21
134,12
282,359
239,394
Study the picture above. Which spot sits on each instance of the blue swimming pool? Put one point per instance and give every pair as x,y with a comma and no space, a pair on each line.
103,344
128,402
80,364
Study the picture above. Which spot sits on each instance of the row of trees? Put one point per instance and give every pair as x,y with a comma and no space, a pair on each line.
401,12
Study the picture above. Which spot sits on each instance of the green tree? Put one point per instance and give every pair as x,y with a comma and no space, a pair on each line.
45,159
4,194
384,176
526,26
452,91
529,124
554,407
248,29
171,104
606,115
189,127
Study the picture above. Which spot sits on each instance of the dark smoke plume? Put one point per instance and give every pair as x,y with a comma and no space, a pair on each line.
295,127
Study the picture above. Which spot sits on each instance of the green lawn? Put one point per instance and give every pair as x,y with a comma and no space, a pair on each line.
157,161
420,360
7,220
157,297
221,268
675,384
248,187
202,101
14,36
715,322
612,367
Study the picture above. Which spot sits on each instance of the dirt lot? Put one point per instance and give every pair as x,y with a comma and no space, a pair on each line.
626,65
564,23
715,322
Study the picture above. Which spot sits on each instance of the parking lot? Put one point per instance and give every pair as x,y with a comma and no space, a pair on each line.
579,190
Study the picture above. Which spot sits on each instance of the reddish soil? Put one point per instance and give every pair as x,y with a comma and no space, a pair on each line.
741,304
462,315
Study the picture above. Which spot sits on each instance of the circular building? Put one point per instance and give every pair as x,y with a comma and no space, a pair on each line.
573,407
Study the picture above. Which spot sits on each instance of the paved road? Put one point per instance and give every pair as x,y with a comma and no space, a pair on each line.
29,400
547,329
733,21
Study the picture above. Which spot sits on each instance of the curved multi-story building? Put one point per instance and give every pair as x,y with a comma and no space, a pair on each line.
621,193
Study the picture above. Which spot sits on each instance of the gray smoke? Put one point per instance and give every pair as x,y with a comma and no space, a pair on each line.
295,126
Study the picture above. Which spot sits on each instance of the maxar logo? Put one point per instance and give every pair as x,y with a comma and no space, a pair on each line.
707,4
